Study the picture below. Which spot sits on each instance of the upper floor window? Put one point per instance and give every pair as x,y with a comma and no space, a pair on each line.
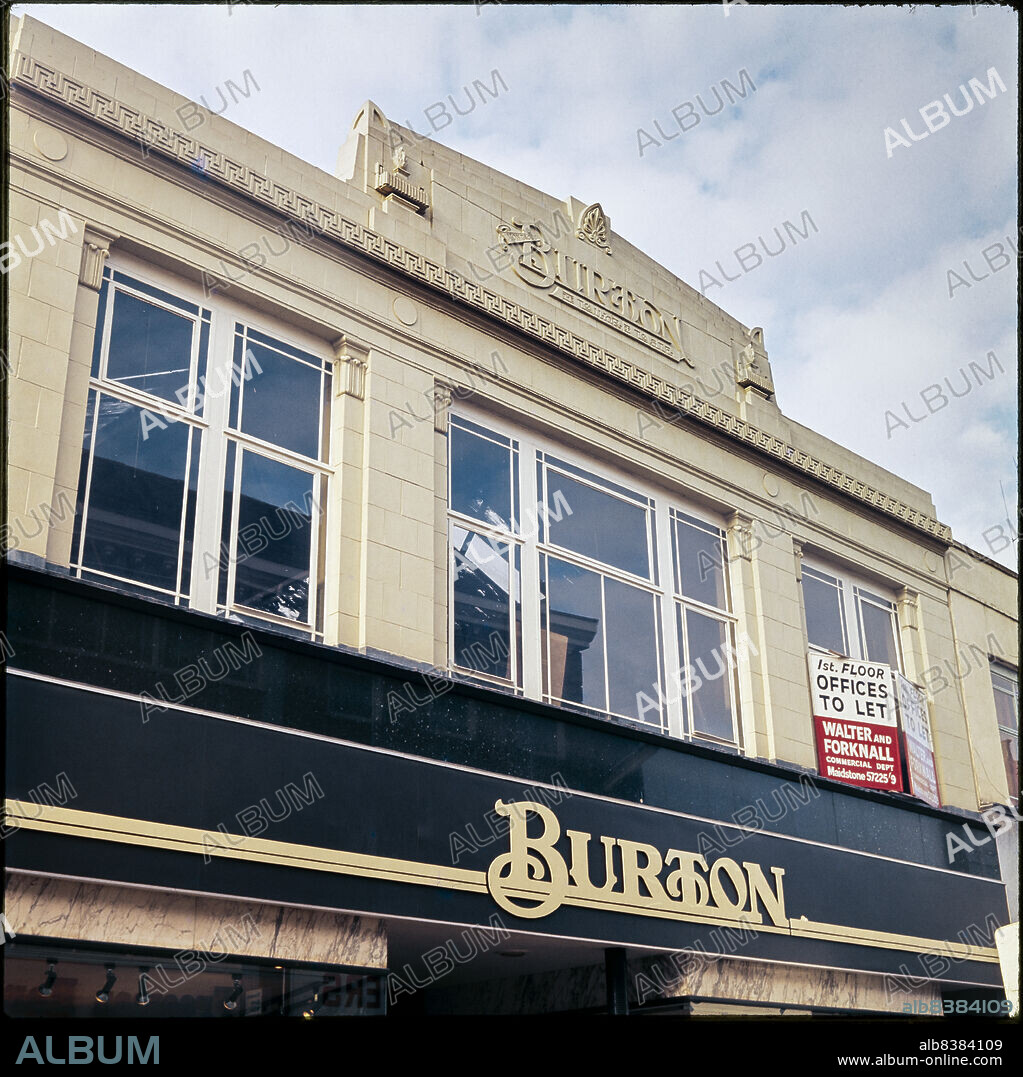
203,474
573,586
1005,682
849,619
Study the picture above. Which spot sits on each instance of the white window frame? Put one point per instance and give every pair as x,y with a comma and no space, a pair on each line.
660,584
216,434
854,590
1006,673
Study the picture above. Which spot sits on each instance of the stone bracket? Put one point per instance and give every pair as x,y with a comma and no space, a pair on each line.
95,251
353,359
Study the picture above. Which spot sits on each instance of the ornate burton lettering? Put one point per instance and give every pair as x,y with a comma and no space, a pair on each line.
574,283
533,879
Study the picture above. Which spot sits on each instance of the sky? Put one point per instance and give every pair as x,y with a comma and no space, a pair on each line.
888,328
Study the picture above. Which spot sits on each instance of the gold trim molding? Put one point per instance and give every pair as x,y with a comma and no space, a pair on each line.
85,101
71,822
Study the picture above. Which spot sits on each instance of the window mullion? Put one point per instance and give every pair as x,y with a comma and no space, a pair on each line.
532,631
669,636
209,504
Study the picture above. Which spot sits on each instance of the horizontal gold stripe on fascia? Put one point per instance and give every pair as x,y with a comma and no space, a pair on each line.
888,940
164,140
72,823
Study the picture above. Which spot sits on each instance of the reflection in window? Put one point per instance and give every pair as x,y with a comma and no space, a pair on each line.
600,644
708,647
279,394
136,500
596,524
484,592
877,628
705,629
274,514
574,636
273,540
586,570
825,617
150,347
483,474
1005,682
699,552
156,426
486,626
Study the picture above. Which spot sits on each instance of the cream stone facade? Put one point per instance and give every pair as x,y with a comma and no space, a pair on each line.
430,286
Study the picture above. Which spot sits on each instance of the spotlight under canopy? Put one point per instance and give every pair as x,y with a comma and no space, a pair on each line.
231,1002
142,998
103,994
46,987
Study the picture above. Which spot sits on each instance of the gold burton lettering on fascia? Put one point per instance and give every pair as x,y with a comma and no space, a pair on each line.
531,880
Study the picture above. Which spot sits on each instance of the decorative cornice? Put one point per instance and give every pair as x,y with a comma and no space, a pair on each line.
29,74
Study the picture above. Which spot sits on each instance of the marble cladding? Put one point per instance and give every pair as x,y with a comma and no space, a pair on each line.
133,916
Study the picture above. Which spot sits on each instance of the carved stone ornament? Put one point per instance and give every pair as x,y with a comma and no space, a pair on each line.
353,358
399,160
594,227
95,251
751,369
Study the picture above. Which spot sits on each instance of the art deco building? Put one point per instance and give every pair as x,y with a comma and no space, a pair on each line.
419,601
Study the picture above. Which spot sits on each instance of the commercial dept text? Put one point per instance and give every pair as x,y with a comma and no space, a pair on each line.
533,878
584,289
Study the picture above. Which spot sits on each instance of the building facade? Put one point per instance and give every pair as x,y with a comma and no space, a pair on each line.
418,603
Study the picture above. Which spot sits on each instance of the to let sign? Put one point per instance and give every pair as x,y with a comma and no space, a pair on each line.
923,778
854,722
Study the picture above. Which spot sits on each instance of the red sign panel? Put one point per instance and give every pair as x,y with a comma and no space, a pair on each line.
855,723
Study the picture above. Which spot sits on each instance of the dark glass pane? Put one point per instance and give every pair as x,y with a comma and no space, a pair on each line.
1006,702
133,528
1010,754
274,538
480,478
280,400
101,315
824,623
878,635
193,485
150,348
481,594
708,675
155,293
596,524
633,677
225,533
236,380
701,565
83,476
575,634
204,349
